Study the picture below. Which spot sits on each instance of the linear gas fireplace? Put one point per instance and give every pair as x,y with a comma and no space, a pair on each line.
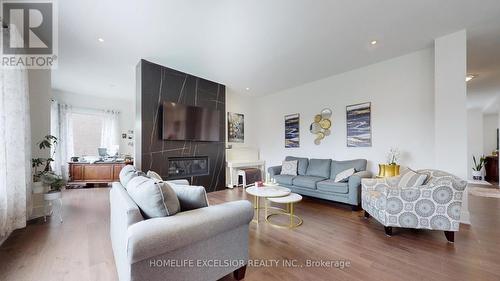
182,167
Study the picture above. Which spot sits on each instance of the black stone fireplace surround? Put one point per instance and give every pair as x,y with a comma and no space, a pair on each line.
177,159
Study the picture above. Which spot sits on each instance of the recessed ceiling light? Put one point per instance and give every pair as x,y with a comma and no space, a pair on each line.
100,40
373,42
248,89
470,77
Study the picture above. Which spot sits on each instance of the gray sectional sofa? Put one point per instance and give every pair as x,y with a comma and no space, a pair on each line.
315,178
144,248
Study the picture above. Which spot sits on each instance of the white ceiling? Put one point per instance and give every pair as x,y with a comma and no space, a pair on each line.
261,44
483,59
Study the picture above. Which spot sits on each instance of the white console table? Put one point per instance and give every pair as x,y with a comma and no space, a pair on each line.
235,165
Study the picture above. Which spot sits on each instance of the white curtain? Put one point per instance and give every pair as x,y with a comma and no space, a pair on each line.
15,151
110,132
65,139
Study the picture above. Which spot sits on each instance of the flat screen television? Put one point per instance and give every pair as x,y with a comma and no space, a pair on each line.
183,122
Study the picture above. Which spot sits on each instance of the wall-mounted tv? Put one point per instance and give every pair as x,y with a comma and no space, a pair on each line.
183,122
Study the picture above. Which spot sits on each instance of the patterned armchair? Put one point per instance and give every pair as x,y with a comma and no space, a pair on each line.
436,205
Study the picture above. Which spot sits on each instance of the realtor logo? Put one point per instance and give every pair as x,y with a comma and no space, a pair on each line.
29,34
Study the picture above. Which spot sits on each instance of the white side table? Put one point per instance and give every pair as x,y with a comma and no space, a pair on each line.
268,190
50,197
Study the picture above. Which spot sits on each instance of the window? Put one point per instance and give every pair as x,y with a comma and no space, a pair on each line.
86,133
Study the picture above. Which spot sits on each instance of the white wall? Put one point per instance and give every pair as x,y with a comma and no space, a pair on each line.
450,103
474,137
401,93
126,108
490,125
241,103
39,82
40,93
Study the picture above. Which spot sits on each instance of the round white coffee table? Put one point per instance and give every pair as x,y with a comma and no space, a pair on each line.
267,191
289,200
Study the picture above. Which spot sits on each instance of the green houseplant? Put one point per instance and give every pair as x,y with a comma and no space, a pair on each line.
46,175
477,173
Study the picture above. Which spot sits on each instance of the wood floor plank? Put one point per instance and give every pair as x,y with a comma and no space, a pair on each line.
80,248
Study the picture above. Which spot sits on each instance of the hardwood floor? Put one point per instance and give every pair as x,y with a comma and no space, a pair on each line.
80,249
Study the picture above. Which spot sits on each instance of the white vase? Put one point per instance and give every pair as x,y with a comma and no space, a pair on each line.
477,175
49,196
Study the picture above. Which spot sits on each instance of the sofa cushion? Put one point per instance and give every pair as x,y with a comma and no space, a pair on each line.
307,181
127,173
319,168
154,175
289,168
284,179
332,186
302,164
154,199
339,166
190,197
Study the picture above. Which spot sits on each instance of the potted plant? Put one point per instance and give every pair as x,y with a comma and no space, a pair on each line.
55,182
391,169
47,142
477,173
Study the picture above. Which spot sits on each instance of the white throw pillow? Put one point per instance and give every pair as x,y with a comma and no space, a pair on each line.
289,168
410,178
344,175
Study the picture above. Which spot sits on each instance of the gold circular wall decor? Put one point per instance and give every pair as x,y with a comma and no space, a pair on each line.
321,125
325,124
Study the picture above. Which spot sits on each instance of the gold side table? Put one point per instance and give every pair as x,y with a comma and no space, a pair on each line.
289,200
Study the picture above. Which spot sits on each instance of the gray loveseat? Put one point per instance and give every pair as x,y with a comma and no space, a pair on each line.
199,243
315,178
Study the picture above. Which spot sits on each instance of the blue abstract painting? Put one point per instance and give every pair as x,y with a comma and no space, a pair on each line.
359,127
292,131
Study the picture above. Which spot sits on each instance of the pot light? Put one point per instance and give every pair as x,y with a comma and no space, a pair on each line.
248,89
100,40
470,77
373,42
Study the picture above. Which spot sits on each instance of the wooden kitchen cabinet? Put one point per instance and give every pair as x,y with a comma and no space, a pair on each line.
95,172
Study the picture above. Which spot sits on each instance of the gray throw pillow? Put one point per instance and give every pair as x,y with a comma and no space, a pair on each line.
190,197
127,173
154,175
154,199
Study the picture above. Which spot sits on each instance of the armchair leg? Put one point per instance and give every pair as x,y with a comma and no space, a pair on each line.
367,215
450,236
388,230
239,273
